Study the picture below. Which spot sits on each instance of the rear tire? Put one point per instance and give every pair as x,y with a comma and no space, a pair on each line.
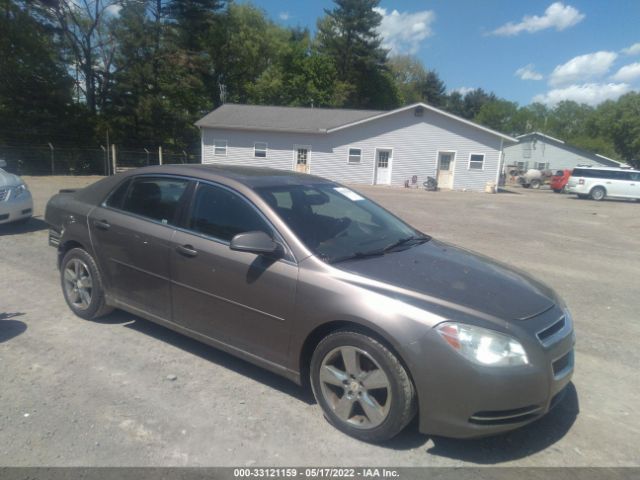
598,193
535,184
361,386
82,285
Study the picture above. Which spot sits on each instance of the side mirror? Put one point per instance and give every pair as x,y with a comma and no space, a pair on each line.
3,163
256,242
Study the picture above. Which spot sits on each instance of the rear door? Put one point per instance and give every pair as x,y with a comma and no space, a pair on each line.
239,298
132,232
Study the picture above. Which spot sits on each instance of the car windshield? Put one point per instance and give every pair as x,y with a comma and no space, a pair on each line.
338,224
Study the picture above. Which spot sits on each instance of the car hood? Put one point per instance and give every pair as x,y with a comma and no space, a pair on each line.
8,179
460,277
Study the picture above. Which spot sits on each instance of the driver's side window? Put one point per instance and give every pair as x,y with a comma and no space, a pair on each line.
222,214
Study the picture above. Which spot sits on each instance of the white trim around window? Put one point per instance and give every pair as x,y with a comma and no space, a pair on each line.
476,163
219,147
260,149
354,156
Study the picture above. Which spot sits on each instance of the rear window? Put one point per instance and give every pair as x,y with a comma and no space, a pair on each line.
606,174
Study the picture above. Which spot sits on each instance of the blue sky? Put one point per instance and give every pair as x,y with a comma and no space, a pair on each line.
583,50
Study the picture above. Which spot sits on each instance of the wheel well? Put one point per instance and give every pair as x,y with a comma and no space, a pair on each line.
65,247
316,336
598,186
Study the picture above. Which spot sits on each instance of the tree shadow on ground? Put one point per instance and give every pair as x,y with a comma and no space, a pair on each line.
10,328
32,225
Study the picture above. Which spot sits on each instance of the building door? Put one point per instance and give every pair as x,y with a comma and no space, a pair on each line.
445,169
302,163
383,167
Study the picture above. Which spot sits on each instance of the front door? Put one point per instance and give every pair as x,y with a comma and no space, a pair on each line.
445,169
241,299
383,167
302,163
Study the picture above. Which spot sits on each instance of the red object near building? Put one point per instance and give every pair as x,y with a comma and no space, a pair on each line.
559,180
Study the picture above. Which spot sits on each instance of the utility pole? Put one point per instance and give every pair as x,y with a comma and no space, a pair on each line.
106,160
160,155
107,153
113,158
53,167
147,152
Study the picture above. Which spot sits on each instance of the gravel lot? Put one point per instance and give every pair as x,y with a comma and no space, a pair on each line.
104,394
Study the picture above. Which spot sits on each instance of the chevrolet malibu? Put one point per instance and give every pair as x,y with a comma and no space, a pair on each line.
311,280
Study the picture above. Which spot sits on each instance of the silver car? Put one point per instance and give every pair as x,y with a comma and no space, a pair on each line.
313,281
16,204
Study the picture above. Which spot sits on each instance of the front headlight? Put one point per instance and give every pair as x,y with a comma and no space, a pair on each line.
17,192
483,346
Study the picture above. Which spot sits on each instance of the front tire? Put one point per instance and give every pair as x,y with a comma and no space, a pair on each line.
535,184
598,193
361,386
82,285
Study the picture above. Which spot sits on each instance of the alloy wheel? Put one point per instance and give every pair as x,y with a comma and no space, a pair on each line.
355,387
78,283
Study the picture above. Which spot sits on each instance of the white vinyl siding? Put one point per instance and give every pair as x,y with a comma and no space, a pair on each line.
260,149
415,142
553,155
355,155
220,148
476,161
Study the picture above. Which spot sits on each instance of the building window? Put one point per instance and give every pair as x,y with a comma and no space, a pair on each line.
542,166
260,150
355,155
220,148
476,161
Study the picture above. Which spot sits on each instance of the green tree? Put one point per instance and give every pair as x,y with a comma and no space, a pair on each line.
414,83
35,88
500,115
348,35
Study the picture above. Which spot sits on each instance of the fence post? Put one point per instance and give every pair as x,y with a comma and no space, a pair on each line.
53,167
160,154
113,158
147,152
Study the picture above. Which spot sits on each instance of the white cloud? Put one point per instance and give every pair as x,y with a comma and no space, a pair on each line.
628,73
403,32
528,73
462,90
284,16
589,93
557,15
114,9
632,50
583,67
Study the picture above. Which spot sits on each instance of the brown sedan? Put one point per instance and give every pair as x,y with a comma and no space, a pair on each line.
313,281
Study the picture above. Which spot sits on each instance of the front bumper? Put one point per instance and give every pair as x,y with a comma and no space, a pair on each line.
463,400
12,210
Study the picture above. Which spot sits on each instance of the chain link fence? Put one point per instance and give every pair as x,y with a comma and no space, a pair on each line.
53,160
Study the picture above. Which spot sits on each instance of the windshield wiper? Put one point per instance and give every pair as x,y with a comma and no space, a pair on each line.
382,251
402,241
357,256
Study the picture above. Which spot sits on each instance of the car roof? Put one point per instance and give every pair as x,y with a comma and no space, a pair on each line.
252,177
608,169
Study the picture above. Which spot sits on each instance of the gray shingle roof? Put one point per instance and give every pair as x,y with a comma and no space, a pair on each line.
289,119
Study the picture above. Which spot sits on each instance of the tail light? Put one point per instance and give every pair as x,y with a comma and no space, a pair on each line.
581,181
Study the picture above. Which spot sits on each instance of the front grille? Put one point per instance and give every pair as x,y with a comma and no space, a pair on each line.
4,193
563,365
549,332
501,417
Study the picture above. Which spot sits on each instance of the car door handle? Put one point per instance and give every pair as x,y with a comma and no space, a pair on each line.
187,250
102,224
